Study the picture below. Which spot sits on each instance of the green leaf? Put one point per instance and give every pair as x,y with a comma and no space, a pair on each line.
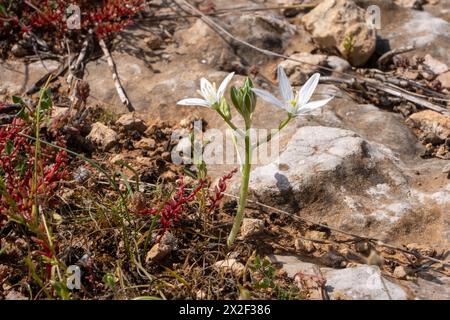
248,84
23,114
9,147
190,173
18,100
3,11
21,167
110,280
46,102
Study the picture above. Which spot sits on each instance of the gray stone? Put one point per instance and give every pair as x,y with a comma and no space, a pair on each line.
402,27
361,283
293,265
338,64
429,285
436,66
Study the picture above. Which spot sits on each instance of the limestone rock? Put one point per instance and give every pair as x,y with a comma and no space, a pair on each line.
402,272
146,144
15,295
429,121
130,122
436,66
444,79
163,248
338,64
333,23
362,283
230,265
102,137
251,227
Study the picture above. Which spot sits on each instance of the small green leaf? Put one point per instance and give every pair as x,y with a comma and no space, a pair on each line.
23,114
9,147
3,11
110,280
18,100
46,102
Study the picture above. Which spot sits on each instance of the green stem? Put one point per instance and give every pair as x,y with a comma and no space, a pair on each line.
273,134
229,123
244,190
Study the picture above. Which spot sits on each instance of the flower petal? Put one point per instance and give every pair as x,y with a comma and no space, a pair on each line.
285,87
313,105
307,90
194,102
266,96
223,85
207,90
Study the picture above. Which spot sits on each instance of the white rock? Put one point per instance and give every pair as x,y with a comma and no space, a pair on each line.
293,265
15,295
338,64
435,65
362,283
230,265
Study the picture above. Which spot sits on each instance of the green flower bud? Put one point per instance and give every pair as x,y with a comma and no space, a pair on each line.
225,108
235,98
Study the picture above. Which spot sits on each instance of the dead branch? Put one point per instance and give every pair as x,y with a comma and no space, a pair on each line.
120,91
74,69
375,84
385,58
406,96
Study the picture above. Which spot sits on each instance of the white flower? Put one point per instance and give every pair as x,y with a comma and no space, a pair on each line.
208,91
298,104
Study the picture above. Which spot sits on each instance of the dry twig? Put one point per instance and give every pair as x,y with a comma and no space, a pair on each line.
120,91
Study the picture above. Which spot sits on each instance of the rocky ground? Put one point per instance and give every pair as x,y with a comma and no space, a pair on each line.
369,169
